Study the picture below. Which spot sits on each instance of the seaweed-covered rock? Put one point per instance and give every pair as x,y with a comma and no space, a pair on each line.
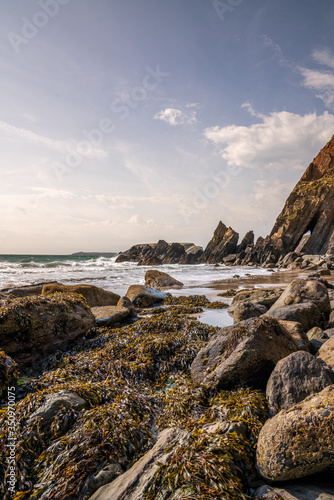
304,290
94,295
109,315
294,378
135,482
298,442
8,371
32,327
158,279
145,296
326,352
243,354
52,403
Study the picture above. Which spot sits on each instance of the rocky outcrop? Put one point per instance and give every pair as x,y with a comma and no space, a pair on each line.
162,253
158,279
244,354
33,327
224,242
298,442
94,295
145,296
294,378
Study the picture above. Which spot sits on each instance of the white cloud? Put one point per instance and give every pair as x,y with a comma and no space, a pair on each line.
174,116
281,140
322,81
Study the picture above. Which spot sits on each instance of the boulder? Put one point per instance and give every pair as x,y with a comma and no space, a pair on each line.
294,378
35,326
297,491
26,290
94,295
298,442
305,313
243,354
158,279
302,291
245,310
145,296
8,371
329,332
110,315
331,320
135,482
297,333
326,352
316,333
51,405
126,302
264,296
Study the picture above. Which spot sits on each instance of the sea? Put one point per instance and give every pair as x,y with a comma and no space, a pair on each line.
104,272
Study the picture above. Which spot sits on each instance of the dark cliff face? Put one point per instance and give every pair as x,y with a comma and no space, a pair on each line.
309,209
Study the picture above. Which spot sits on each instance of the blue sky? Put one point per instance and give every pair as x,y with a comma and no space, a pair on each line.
126,121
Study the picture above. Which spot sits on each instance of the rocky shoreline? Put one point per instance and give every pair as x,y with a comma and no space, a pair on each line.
136,399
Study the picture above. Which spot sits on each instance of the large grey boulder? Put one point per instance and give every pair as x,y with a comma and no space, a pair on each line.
243,354
135,482
158,279
304,290
298,442
305,313
264,296
294,378
245,310
145,296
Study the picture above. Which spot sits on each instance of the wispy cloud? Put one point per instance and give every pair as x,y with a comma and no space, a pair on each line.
321,81
281,140
174,116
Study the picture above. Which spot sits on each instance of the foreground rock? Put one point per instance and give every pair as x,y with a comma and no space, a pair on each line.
33,327
158,279
244,354
94,295
304,291
145,296
326,352
264,296
26,290
298,491
245,310
8,371
294,378
297,333
298,442
135,482
51,406
110,315
305,301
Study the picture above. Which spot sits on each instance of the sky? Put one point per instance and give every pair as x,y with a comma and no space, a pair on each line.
130,121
